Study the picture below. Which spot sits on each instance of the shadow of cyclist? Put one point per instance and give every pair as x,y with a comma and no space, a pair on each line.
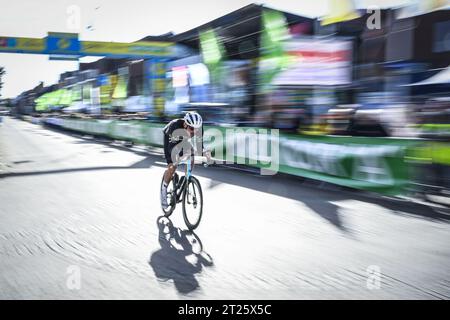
181,256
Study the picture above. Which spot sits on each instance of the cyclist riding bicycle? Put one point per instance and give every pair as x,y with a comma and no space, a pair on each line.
178,142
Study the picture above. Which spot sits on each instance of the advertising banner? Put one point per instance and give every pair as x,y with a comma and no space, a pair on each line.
67,46
317,62
139,49
25,45
372,166
62,46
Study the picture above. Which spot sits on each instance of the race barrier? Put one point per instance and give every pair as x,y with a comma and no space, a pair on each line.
382,165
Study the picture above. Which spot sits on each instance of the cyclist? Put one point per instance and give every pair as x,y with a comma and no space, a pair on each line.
176,133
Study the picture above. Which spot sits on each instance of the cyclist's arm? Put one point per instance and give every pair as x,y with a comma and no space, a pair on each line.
192,159
204,151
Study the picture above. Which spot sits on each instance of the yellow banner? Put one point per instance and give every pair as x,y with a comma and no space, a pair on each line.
22,44
135,48
159,85
69,43
340,10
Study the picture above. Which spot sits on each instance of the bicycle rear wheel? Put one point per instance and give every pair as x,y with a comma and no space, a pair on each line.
192,203
171,196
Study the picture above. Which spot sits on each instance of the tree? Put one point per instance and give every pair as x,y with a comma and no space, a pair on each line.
2,72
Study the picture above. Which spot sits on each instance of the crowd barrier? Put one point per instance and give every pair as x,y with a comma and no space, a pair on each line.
383,165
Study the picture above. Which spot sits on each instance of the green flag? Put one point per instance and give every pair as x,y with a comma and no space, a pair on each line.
212,49
120,92
213,53
273,55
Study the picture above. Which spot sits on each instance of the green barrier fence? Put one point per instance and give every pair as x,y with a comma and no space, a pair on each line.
375,164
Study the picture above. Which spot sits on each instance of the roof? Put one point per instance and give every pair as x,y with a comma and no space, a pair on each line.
442,77
238,30
163,37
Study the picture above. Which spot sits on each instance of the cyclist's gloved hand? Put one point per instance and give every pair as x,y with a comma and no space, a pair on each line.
176,138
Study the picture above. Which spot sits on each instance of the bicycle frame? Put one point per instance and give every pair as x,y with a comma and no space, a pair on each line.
182,193
181,184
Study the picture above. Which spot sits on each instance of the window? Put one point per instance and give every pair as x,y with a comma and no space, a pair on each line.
441,40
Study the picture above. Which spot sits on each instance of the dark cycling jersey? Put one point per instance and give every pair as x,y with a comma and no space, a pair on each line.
172,126
174,133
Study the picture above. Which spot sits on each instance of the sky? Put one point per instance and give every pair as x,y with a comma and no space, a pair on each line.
117,21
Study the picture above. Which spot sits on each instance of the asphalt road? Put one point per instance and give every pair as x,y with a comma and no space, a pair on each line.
80,219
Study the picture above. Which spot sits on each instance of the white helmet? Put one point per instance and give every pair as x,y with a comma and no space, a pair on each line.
193,119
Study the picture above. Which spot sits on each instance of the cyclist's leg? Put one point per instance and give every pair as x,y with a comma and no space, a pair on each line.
168,174
171,166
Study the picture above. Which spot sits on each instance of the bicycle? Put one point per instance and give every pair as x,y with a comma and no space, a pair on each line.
183,189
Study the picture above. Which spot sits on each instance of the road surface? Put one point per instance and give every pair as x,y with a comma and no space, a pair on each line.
80,219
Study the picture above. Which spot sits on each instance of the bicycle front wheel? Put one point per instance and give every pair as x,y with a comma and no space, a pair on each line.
192,203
